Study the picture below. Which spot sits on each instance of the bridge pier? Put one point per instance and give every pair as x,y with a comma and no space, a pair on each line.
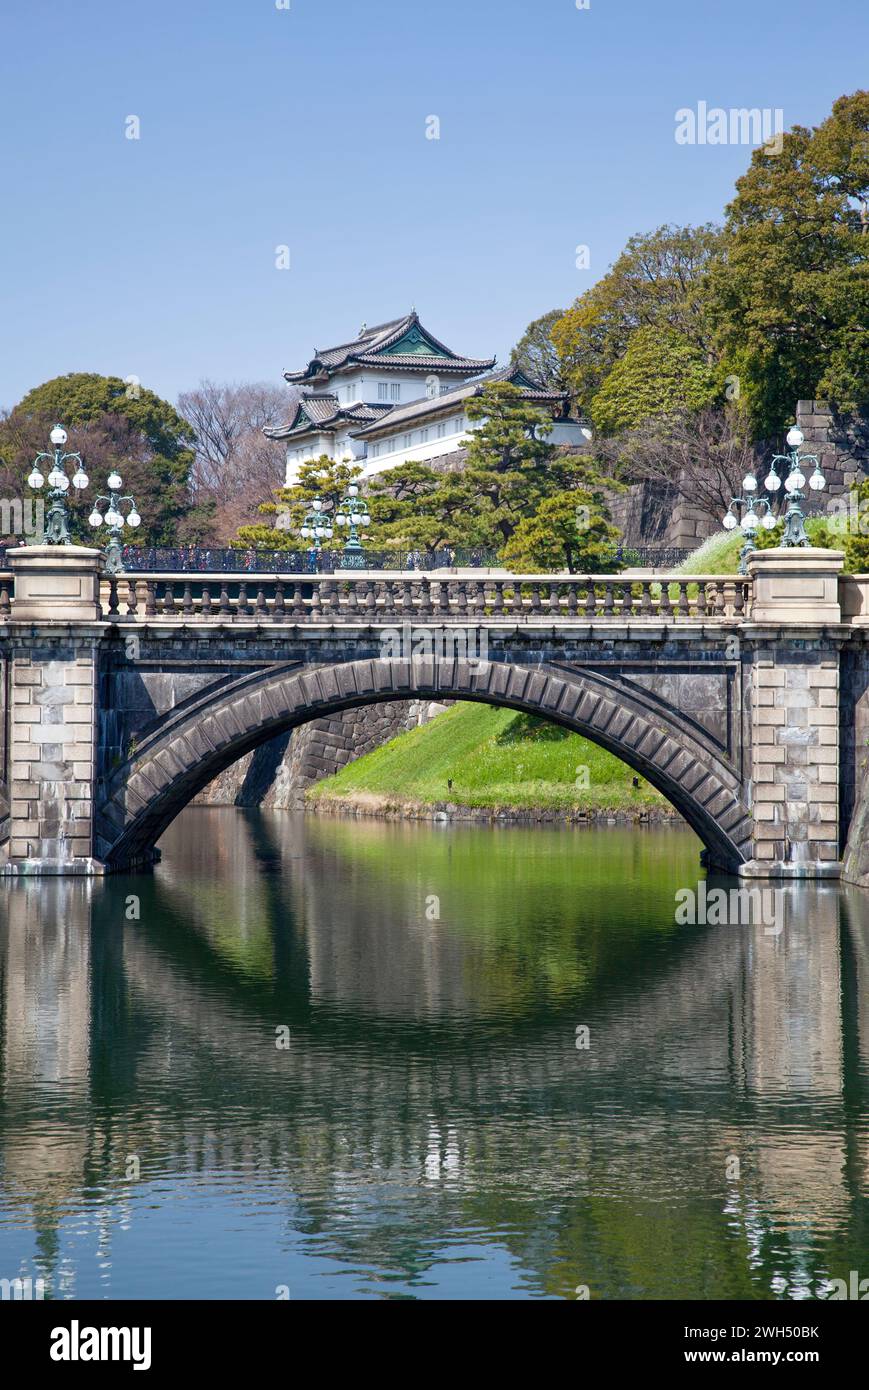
795,637
52,663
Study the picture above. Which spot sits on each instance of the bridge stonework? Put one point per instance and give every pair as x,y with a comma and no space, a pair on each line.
744,702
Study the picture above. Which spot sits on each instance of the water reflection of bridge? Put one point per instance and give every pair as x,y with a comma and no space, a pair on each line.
123,1038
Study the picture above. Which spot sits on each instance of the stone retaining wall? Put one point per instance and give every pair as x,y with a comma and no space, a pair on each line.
277,775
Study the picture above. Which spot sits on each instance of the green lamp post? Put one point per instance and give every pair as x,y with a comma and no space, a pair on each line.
57,521
794,481
316,526
114,520
352,513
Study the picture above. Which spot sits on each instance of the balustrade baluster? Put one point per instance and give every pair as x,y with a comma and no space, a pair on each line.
242,608
298,604
5,601
645,598
701,600
187,602
168,607
666,605
683,609
225,608
205,603
262,609
608,597
150,598
627,601
279,611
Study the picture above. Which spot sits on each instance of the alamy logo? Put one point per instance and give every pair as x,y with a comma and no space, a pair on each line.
736,907
469,644
739,125
77,1343
21,1290
22,518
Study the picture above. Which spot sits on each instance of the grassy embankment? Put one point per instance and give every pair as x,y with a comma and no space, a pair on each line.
496,758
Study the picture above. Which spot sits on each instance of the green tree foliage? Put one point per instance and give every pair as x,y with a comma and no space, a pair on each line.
570,530
114,426
790,295
319,477
536,353
656,283
661,374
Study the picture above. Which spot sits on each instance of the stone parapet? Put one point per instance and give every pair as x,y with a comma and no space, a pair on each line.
56,583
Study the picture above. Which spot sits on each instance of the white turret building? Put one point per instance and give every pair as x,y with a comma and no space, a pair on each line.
393,394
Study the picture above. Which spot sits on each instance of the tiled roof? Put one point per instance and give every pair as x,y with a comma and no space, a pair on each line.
368,348
442,404
323,412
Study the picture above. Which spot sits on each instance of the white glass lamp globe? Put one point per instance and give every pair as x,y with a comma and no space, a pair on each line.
58,436
36,479
329,533
817,481
353,490
305,532
341,518
79,478
317,504
365,520
794,481
749,482
795,437
114,481
63,483
729,521
55,478
751,521
320,531
769,522
114,518
772,481
133,518
95,519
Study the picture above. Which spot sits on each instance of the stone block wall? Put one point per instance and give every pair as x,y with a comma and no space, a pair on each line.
840,441
51,725
795,754
277,775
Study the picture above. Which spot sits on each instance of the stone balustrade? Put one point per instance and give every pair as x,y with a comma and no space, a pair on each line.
379,598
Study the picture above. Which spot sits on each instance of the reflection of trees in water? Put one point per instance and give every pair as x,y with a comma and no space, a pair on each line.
437,1058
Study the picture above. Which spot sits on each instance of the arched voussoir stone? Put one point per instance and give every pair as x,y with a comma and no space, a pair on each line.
177,760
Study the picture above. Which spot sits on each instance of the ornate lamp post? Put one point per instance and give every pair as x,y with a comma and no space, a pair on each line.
757,512
57,521
749,514
114,520
353,512
794,482
316,526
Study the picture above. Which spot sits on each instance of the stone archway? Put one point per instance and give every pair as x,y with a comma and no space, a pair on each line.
191,747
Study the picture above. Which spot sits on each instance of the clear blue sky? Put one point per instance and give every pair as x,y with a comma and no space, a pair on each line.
306,127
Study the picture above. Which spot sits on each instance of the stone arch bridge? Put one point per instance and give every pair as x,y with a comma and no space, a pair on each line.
745,701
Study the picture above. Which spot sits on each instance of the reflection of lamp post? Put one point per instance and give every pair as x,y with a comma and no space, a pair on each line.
794,482
749,514
114,520
316,527
353,512
57,523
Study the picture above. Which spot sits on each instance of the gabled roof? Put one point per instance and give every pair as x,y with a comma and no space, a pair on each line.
402,344
441,405
319,410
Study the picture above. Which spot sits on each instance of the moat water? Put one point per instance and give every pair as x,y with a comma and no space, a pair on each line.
338,1059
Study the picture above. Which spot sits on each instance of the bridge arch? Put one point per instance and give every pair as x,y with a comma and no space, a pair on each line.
191,746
